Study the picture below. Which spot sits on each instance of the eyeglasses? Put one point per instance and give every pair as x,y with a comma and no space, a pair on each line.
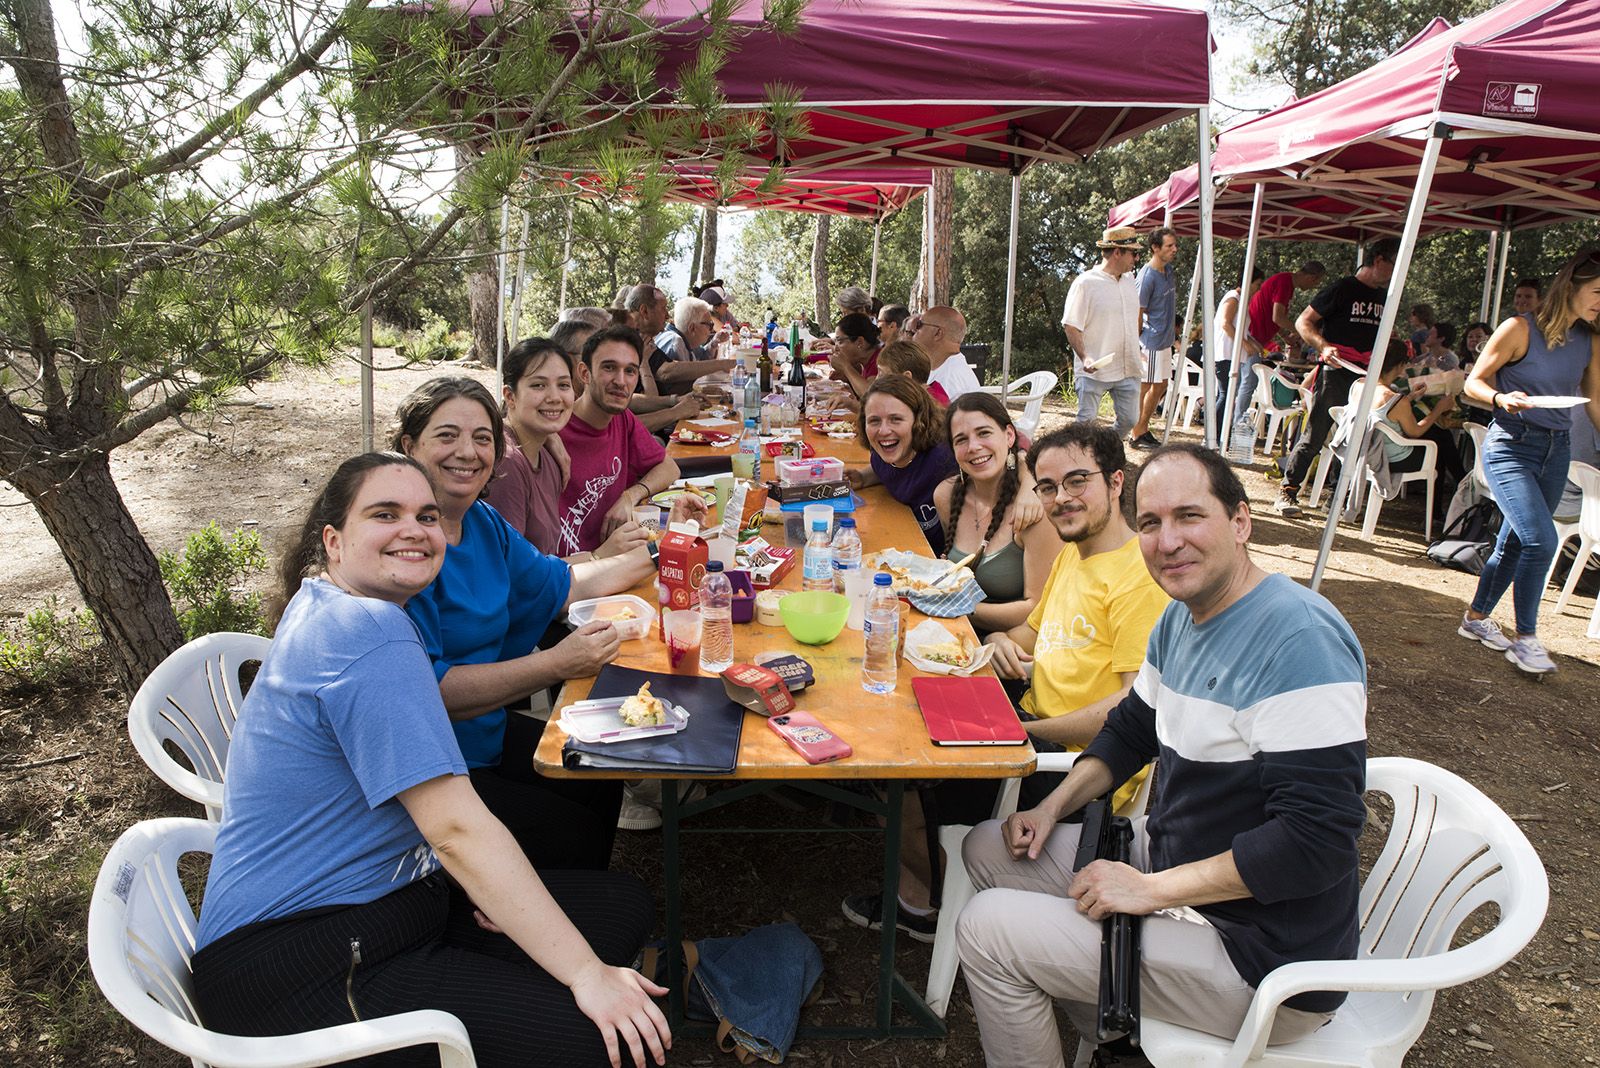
1072,484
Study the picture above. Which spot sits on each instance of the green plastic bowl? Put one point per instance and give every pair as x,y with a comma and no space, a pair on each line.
814,617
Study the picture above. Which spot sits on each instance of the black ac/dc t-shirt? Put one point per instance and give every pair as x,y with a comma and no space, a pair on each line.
1350,313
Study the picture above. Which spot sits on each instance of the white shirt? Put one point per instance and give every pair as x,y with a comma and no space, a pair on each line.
1106,310
956,376
1224,323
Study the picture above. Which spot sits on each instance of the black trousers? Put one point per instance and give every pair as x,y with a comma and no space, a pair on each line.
419,948
559,823
1331,391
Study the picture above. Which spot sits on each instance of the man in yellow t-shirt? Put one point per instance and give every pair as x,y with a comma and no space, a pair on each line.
1086,637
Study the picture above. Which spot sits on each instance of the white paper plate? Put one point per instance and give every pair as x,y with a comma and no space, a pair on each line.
1556,402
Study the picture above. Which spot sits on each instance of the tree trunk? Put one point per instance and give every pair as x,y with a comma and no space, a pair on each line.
944,205
483,281
694,258
708,248
113,566
819,274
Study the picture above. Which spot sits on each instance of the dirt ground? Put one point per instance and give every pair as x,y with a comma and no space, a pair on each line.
1532,745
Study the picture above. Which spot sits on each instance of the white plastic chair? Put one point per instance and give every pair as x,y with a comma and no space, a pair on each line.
141,942
957,888
1268,413
1450,851
1427,474
1191,391
1029,392
192,700
1477,432
1325,460
1587,528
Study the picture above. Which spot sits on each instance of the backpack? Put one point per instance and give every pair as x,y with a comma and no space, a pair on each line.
1465,544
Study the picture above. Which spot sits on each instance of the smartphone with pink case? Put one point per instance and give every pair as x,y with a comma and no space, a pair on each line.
808,737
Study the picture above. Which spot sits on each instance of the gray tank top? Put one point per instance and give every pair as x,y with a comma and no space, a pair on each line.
1546,372
1000,573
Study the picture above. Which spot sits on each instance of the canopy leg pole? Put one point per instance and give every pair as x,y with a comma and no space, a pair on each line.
1493,318
1489,258
1391,312
877,234
1207,252
517,280
366,376
1011,285
500,295
927,248
1243,314
1177,364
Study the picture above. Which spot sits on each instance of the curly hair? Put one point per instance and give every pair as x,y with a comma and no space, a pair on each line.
927,420
989,406
416,411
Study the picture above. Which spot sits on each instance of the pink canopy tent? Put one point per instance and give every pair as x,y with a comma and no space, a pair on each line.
866,194
1496,114
995,84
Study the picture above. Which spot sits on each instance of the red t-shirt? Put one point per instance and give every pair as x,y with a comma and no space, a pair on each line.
1279,289
604,463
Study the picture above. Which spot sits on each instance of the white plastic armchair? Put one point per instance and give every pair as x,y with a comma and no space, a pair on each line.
141,942
192,701
1028,393
1269,414
1427,474
1450,851
1587,528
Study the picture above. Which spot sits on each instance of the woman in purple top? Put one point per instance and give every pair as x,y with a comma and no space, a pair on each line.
904,428
1553,352
528,480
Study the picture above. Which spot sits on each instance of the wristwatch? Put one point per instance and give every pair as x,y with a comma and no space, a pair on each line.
654,549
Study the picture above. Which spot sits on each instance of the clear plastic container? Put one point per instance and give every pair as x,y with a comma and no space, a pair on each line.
716,614
818,564
881,634
846,550
792,472
632,616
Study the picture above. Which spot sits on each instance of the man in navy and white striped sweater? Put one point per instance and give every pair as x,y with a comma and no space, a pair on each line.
1253,695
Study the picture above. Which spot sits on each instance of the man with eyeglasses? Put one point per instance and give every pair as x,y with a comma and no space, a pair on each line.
1085,639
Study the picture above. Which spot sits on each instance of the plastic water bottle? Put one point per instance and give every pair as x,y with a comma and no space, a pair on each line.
739,376
752,397
846,550
882,633
818,568
716,620
1241,442
747,461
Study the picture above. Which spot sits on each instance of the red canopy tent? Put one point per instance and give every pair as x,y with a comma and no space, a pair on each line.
995,84
1496,114
865,193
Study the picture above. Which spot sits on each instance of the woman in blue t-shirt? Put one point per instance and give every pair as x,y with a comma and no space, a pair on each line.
345,796
1553,352
483,618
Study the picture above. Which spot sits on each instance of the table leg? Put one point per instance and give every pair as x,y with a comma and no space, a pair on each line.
671,874
891,905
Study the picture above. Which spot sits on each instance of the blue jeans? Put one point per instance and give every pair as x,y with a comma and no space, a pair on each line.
1247,387
1224,384
1526,467
1124,401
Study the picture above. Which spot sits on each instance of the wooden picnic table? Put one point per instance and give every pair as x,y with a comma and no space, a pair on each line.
886,732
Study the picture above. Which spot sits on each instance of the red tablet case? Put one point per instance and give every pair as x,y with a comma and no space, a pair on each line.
967,711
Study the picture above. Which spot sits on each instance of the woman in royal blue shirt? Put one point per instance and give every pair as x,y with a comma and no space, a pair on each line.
346,795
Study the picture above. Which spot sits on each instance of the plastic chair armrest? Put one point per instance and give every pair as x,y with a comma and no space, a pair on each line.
332,1045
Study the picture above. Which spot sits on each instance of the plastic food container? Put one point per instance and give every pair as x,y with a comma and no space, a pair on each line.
600,721
631,615
793,472
744,596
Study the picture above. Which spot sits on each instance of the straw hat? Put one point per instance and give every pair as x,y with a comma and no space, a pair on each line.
1119,237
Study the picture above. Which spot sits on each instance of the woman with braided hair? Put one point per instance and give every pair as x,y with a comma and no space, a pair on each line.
978,509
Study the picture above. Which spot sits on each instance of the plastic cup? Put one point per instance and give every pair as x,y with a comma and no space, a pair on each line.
650,519
724,489
857,585
816,512
721,548
683,642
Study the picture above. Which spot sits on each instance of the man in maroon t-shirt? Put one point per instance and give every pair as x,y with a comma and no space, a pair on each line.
616,463
1269,308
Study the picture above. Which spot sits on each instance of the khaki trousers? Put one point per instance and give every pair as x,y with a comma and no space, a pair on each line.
1024,945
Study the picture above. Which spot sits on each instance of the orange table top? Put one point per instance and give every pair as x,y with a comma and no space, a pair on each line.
885,731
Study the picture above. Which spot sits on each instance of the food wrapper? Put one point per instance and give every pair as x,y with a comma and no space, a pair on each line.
914,578
928,634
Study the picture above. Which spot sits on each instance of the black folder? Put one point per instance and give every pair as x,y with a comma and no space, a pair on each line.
709,745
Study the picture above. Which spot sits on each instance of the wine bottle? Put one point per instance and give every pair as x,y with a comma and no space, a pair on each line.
765,364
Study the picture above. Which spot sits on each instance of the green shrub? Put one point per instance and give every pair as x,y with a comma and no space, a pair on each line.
206,582
49,645
437,341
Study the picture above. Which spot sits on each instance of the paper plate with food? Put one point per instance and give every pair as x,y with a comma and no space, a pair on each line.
621,719
688,435
932,648
667,496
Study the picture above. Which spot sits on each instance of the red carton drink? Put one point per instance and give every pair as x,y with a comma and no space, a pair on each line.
681,567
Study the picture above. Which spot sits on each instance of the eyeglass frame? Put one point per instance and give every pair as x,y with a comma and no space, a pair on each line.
1062,487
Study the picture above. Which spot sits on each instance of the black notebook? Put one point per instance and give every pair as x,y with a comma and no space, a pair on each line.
709,745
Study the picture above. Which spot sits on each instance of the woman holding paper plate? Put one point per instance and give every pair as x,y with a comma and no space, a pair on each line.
1535,369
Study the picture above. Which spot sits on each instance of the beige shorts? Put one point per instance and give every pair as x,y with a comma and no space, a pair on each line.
1157,364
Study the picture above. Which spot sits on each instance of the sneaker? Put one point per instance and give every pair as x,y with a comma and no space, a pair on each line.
641,804
1110,1057
866,910
1484,630
1146,441
1529,655
1286,505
